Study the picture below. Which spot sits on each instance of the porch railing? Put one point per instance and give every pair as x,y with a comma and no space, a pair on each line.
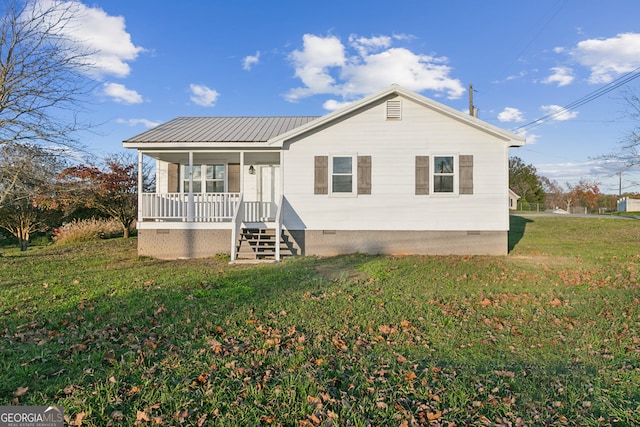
209,207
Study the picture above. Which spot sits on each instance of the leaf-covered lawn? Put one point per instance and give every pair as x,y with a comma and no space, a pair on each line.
549,335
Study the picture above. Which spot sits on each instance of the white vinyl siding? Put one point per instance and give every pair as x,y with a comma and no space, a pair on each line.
394,147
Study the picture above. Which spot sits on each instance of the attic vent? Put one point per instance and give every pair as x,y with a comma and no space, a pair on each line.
394,110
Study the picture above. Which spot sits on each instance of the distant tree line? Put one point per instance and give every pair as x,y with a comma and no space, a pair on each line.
542,192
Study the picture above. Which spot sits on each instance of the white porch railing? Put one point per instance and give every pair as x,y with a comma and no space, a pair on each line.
209,207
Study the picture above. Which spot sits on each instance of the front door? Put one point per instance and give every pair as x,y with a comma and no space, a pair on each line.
268,191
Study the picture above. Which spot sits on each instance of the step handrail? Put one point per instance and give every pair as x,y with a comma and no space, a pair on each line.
236,224
279,221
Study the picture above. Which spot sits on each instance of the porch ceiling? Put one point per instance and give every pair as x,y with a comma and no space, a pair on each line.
210,157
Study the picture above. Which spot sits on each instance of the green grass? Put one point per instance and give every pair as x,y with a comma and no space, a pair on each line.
549,335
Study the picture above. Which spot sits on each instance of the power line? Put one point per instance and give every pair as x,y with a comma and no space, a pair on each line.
615,84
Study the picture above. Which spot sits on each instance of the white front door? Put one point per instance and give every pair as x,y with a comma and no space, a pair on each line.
268,191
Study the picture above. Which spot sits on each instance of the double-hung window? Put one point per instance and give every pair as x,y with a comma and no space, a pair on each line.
342,174
214,179
206,178
443,174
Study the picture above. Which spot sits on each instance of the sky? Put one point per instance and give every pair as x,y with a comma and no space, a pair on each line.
156,60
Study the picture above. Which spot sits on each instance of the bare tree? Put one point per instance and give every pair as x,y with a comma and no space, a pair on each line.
24,170
42,79
627,157
42,73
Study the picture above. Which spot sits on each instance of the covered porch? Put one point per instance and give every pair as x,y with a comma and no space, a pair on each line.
210,195
210,187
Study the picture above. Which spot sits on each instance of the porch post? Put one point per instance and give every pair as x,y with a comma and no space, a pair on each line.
191,203
242,172
140,186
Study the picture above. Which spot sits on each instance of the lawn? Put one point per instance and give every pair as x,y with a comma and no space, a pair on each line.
548,335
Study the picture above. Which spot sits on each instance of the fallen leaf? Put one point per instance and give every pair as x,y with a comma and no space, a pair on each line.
269,419
485,302
432,416
21,391
410,376
78,419
117,416
314,419
381,405
555,302
141,417
401,359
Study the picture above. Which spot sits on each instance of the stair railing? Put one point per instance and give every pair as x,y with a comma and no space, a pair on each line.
236,225
279,221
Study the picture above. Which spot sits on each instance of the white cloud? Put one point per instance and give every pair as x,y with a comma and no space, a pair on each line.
135,122
312,65
120,94
332,104
608,58
558,113
104,36
562,76
203,96
250,61
326,66
510,114
366,45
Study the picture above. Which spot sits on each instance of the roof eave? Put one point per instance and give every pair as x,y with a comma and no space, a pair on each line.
213,146
513,139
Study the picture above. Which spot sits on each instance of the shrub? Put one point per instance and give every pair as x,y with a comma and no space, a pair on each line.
87,229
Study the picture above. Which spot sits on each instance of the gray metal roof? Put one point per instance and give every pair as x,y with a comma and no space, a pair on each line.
221,129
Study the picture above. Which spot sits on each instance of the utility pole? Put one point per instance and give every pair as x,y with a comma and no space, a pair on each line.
620,184
473,111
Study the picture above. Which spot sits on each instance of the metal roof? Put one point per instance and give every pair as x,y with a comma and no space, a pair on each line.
221,129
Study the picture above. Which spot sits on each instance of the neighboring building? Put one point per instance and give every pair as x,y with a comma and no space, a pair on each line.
513,200
393,173
627,204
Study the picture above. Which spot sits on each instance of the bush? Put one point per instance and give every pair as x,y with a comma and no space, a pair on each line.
87,229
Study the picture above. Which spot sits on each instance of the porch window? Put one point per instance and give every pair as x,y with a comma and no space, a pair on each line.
214,179
443,175
206,178
342,174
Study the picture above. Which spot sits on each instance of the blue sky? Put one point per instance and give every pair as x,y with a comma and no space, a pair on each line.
156,60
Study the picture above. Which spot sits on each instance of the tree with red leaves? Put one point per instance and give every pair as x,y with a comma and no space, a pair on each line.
112,191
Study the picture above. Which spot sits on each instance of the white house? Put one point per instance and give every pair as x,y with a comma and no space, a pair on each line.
627,204
393,173
513,200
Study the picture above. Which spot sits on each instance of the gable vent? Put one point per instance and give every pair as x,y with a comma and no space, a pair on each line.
394,110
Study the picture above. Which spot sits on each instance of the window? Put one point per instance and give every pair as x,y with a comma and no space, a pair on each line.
214,179
206,178
342,174
443,175
197,178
